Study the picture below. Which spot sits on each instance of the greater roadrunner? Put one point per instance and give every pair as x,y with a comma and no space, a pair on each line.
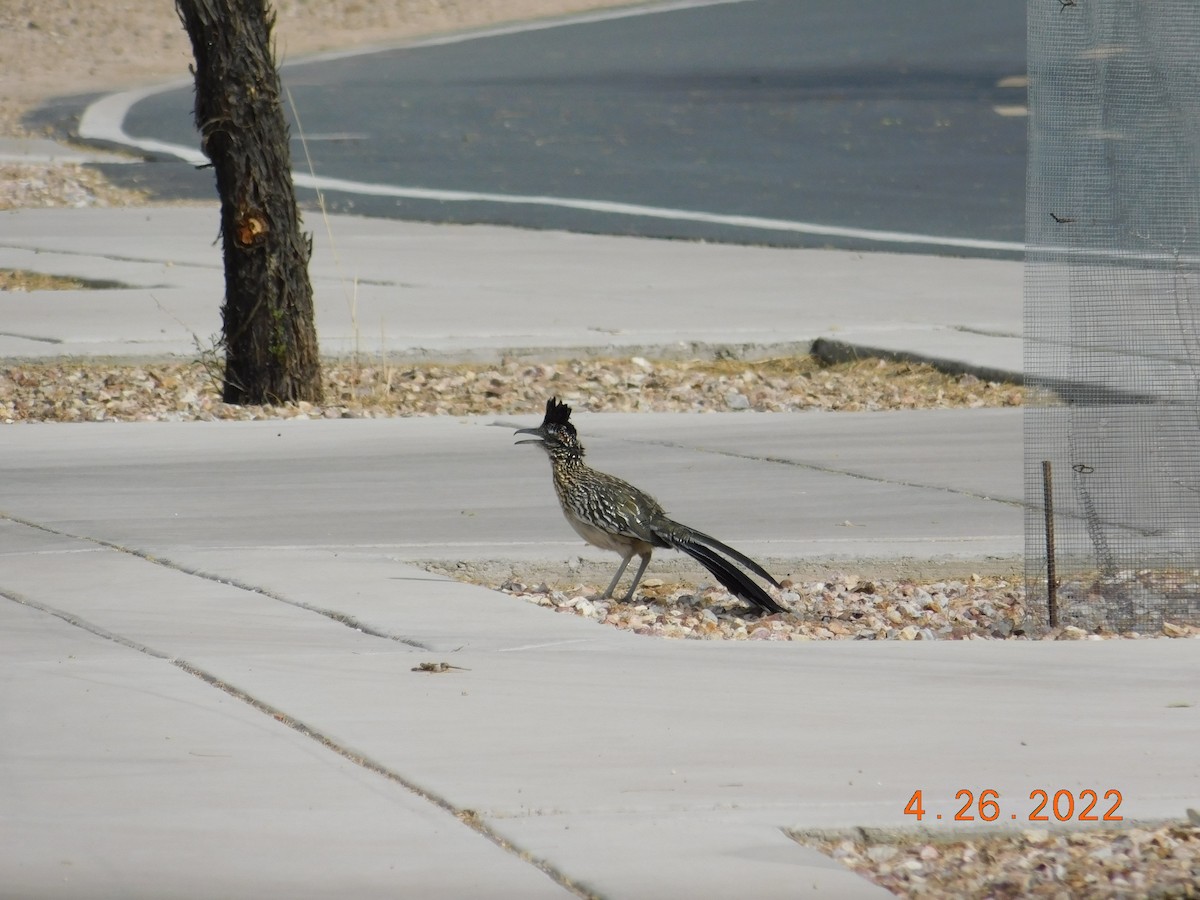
614,515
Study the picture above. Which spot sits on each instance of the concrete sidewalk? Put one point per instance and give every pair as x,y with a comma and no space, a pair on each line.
460,292
210,636
210,630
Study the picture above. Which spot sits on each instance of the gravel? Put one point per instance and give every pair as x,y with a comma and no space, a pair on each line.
74,391
843,607
63,185
1142,861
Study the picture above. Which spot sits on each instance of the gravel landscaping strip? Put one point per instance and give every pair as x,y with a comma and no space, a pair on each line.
90,391
1142,861
60,185
844,607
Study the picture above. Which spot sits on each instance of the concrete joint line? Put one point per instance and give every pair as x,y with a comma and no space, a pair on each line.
84,624
830,470
31,337
341,618
467,817
114,257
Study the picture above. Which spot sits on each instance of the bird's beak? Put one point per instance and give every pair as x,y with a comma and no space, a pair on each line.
539,439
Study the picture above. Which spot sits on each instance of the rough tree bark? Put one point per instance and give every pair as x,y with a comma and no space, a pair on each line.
269,332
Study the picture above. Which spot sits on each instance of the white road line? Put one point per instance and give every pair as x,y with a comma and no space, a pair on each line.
612,207
104,120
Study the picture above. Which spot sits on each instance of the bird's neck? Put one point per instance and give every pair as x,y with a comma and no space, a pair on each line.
568,465
566,456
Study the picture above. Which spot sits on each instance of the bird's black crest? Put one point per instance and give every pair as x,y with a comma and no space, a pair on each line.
558,413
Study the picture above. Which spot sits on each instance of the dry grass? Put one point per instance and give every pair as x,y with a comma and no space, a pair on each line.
17,280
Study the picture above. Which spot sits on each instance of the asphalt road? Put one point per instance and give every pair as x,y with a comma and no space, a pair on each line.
741,122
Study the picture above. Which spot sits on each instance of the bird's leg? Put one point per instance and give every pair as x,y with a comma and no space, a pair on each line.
620,571
637,577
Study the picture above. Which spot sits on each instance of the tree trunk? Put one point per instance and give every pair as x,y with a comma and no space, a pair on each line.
270,336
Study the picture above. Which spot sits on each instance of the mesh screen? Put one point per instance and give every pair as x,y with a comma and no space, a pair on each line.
1112,324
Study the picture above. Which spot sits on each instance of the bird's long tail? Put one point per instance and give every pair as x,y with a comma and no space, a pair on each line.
708,551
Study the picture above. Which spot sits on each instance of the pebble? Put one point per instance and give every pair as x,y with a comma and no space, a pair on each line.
981,609
64,391
1110,864
881,853
25,186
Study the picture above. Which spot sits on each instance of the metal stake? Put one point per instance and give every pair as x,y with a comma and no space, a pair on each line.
1051,568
